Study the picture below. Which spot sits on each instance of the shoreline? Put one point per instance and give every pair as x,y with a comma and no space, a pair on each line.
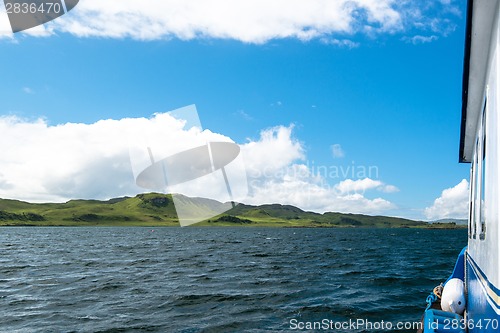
253,225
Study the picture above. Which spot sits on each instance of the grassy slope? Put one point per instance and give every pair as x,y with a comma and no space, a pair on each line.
155,209
144,209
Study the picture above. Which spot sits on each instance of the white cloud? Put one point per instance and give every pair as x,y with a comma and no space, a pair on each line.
363,185
43,163
453,203
347,43
28,90
5,30
389,189
254,21
57,163
4,183
337,151
275,150
41,31
420,39
314,197
250,21
449,6
278,173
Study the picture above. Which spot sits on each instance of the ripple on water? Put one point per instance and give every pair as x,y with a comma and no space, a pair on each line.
215,279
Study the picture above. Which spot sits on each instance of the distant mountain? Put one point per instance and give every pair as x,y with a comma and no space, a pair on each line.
154,209
456,221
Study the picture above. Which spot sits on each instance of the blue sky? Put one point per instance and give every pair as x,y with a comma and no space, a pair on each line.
386,93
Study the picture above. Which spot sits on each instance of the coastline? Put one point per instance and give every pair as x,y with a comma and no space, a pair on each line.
158,210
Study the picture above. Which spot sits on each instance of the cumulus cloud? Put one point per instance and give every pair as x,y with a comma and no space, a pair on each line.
250,21
278,172
40,162
273,151
314,197
453,203
363,185
44,163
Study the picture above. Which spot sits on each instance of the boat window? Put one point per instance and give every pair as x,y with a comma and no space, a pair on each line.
477,209
474,190
472,195
482,201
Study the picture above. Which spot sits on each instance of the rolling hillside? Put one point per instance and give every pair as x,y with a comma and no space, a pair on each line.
154,209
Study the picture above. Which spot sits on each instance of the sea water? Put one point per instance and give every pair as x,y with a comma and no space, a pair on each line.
193,279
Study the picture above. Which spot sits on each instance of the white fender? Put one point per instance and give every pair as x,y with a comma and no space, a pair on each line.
453,297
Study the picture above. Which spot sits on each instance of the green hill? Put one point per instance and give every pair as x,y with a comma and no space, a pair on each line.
154,209
144,209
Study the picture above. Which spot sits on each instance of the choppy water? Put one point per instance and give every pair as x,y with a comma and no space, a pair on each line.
216,279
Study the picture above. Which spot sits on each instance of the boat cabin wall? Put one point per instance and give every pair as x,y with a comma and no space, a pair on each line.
484,230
